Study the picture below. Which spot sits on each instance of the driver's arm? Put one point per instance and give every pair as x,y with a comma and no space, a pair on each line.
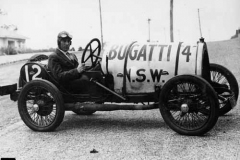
81,68
61,72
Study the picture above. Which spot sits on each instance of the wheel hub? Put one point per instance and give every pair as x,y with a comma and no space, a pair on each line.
40,102
43,108
184,108
35,107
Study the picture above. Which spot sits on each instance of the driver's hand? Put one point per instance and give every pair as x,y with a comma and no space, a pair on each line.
81,68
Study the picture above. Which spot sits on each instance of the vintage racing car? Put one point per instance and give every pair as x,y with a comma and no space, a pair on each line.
177,78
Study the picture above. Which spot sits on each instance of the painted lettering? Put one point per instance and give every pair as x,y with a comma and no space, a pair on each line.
151,51
142,75
169,52
133,57
156,74
186,51
161,51
142,53
145,53
113,52
122,56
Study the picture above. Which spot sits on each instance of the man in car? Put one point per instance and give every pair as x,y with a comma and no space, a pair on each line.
63,65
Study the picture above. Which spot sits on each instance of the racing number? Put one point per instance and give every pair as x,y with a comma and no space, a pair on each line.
34,76
186,51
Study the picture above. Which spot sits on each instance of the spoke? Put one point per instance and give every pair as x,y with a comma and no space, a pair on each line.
40,121
96,49
91,53
225,81
213,74
91,59
216,76
185,87
96,56
32,112
194,124
221,78
181,87
192,88
181,120
36,118
87,58
201,118
189,120
188,87
48,120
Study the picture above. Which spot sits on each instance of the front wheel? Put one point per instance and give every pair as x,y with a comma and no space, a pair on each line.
189,105
41,105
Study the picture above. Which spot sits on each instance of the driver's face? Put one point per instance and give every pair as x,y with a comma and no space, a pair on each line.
65,44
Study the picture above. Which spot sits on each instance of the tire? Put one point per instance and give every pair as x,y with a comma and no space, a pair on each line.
41,106
38,57
189,105
222,75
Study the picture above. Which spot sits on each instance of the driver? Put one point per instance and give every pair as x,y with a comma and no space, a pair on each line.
63,65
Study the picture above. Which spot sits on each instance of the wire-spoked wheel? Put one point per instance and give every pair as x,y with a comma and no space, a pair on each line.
223,78
189,105
41,106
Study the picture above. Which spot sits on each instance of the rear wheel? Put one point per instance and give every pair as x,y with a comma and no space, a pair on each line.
189,105
223,78
41,105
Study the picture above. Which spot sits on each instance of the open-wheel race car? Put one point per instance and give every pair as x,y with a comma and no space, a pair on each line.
177,78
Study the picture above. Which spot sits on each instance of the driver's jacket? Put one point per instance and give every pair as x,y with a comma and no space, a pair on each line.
63,69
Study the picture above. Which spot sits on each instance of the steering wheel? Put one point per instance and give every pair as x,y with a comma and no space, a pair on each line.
94,48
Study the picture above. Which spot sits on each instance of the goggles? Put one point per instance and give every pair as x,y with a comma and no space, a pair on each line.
64,34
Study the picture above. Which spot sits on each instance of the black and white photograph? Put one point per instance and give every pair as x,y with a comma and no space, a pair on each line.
119,80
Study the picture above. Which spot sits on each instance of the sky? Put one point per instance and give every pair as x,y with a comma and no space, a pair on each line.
122,20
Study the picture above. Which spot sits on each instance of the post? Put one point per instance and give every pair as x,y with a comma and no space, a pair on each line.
101,22
171,20
149,29
199,23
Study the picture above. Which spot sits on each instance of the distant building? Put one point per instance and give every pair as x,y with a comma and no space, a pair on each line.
11,39
237,35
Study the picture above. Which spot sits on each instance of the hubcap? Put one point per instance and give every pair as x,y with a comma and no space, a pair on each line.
35,107
184,108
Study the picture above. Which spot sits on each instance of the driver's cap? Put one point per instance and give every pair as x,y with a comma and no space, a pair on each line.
64,34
